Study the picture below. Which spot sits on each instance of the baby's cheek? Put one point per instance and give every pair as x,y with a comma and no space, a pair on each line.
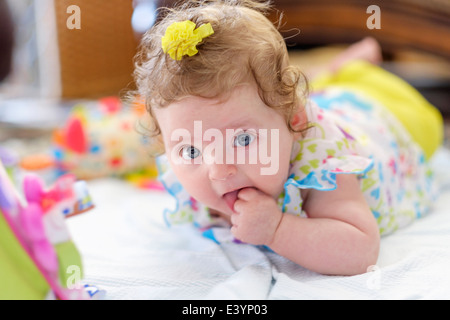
195,187
271,185
198,188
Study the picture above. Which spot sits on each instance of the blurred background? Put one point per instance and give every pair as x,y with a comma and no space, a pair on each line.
58,54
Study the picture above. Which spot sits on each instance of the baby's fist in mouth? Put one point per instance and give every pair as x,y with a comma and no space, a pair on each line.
256,217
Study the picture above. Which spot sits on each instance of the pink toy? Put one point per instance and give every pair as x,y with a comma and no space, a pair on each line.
35,245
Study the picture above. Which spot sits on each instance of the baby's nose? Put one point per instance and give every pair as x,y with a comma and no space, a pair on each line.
221,171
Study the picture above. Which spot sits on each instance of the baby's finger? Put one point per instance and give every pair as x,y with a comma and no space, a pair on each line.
247,194
234,219
238,204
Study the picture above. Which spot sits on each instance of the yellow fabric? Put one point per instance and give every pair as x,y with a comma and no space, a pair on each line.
422,120
181,38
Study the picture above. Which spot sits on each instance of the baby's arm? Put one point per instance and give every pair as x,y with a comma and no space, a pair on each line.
340,236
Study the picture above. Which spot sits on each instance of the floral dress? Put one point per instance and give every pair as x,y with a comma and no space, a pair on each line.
348,134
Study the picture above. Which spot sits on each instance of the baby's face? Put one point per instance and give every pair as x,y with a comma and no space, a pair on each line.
217,147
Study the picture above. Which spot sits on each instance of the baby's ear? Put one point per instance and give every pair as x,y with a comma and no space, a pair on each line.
299,120
295,121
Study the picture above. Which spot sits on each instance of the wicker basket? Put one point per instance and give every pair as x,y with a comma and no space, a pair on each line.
97,59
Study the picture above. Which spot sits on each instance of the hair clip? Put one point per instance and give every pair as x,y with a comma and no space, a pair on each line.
181,38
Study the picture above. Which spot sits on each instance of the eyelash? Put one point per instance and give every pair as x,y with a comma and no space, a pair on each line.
184,148
252,134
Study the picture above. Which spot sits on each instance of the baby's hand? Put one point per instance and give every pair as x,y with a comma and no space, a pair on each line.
257,217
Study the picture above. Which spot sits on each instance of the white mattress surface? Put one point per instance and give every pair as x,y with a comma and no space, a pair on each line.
129,252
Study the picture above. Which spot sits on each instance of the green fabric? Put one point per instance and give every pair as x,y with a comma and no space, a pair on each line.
422,120
19,277
69,260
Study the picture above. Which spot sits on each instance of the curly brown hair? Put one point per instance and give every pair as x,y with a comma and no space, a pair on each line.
245,47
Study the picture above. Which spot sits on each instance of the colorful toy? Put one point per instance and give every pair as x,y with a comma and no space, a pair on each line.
106,138
38,258
42,165
9,160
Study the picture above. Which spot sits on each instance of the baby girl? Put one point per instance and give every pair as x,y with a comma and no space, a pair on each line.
252,157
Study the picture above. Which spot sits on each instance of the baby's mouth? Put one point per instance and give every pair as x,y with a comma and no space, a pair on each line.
231,197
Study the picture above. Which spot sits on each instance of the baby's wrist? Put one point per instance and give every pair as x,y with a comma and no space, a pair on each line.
272,239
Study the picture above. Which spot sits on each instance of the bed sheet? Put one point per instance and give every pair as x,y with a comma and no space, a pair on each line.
129,252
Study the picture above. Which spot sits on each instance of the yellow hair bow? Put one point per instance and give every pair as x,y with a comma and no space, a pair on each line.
181,38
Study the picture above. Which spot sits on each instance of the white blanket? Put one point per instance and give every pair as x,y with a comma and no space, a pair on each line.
129,252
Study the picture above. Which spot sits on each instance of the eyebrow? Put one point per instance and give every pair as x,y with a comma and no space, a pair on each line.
243,123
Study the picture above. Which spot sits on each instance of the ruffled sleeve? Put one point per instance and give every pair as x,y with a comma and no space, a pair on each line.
326,151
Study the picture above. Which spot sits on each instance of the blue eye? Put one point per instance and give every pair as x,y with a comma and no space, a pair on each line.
189,152
243,139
